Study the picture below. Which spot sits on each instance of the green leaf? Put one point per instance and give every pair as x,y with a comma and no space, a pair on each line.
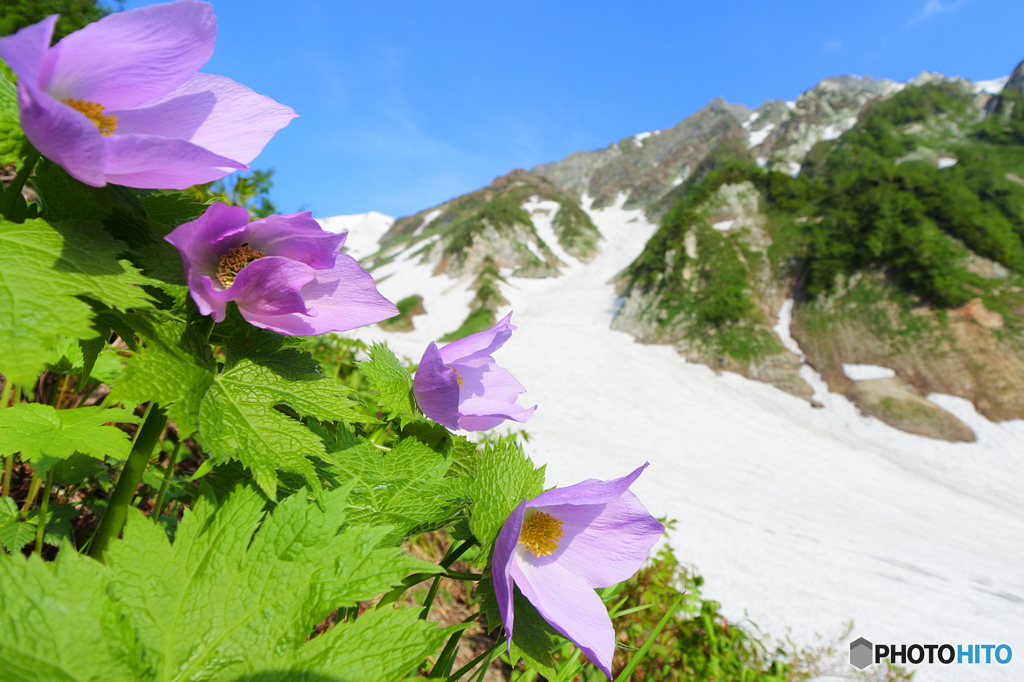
44,435
391,382
406,488
14,532
60,625
12,139
505,477
224,604
172,209
50,272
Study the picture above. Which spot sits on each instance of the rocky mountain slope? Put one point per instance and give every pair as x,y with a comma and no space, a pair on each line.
891,213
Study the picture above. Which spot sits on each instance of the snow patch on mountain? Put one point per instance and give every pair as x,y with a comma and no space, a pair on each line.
364,231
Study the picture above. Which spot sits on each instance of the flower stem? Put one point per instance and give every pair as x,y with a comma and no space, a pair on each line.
33,488
44,507
10,197
5,397
117,509
489,654
168,474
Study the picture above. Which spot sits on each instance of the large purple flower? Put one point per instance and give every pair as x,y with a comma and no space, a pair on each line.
461,387
120,100
284,272
561,545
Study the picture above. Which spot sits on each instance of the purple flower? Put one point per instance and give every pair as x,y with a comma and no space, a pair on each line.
120,100
461,387
561,545
285,272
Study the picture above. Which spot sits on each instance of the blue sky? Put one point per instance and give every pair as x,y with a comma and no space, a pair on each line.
406,104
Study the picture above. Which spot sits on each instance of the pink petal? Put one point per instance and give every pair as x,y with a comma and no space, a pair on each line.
61,134
128,58
483,377
569,605
298,237
25,50
437,389
479,344
501,566
604,544
149,161
342,298
199,241
270,286
591,491
482,407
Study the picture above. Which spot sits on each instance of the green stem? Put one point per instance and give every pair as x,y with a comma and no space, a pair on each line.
9,198
43,509
168,474
5,397
146,439
489,654
205,327
33,488
429,601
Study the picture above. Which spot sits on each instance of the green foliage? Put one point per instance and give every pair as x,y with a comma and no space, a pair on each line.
231,408
391,382
44,435
698,643
12,139
55,273
74,14
504,478
408,488
224,602
408,307
248,191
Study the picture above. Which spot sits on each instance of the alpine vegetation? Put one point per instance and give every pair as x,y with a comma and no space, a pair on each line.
189,493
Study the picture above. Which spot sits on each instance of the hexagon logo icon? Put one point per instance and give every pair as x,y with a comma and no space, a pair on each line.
861,653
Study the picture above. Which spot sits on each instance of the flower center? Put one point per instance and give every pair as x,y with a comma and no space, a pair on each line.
233,261
541,533
458,377
105,123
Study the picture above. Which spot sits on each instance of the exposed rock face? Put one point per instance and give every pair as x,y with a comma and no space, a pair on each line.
1016,82
966,355
731,236
647,167
490,225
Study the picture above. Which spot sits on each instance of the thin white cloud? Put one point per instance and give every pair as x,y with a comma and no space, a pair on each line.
935,7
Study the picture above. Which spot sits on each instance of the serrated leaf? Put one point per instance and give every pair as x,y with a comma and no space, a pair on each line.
49,269
232,411
44,435
224,604
14,532
12,139
60,625
406,488
390,381
354,653
172,209
504,478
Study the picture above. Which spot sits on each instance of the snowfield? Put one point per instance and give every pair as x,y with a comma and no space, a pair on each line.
800,519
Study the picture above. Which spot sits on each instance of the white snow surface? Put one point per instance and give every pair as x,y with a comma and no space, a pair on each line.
543,214
364,231
639,138
992,87
945,162
758,136
801,519
724,225
867,372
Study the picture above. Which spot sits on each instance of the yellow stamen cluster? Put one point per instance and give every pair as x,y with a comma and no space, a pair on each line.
541,533
105,123
458,377
233,261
